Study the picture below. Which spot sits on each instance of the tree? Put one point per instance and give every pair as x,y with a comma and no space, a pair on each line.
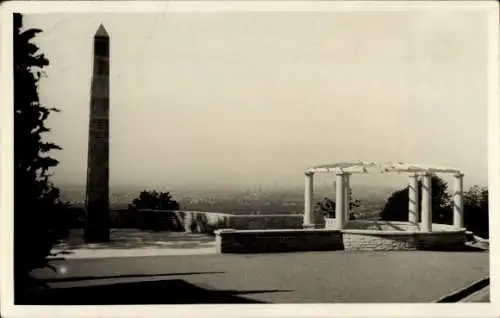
396,207
476,211
155,201
328,206
36,199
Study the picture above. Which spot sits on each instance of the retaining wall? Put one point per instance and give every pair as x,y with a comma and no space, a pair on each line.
275,241
359,240
363,235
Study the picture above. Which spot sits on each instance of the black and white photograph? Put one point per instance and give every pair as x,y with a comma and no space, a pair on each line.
265,152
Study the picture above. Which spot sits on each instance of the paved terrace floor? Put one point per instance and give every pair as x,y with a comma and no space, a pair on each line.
134,243
308,277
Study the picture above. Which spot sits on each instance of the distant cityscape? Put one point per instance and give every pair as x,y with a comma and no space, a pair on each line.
236,201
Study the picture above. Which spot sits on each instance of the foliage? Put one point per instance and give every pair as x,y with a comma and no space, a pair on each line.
475,207
36,200
328,206
154,200
396,207
476,211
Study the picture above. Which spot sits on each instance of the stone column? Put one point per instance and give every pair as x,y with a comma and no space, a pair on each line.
308,201
347,186
426,203
413,199
458,204
339,202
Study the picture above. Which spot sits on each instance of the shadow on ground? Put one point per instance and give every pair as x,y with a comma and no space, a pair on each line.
174,291
89,278
128,239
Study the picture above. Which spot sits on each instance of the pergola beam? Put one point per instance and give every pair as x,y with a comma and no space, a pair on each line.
343,167
339,170
413,168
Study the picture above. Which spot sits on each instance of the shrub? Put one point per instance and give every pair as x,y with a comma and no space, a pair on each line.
327,206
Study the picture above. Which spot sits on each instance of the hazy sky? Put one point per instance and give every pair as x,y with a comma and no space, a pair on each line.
249,98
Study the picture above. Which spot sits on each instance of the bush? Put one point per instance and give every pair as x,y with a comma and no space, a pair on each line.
327,206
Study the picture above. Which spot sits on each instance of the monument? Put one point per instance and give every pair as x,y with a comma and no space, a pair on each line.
97,189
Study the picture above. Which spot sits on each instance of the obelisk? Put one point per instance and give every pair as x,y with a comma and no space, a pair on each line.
97,190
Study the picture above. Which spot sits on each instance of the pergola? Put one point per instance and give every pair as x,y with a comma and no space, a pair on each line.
344,170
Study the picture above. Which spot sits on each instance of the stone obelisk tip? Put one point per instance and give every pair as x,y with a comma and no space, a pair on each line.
101,32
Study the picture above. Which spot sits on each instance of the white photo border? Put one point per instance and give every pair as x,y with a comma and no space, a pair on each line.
491,8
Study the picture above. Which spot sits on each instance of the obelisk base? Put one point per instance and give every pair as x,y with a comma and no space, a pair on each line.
97,225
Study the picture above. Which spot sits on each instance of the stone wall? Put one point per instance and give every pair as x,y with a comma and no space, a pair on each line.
275,241
204,222
375,225
364,240
379,225
155,220
441,241
165,220
387,226
371,241
382,235
262,222
201,222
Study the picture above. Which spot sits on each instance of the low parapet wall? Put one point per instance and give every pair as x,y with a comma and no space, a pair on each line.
269,221
204,222
200,221
276,241
380,225
208,222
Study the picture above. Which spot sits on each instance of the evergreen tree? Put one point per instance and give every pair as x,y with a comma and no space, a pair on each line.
154,200
396,207
36,200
